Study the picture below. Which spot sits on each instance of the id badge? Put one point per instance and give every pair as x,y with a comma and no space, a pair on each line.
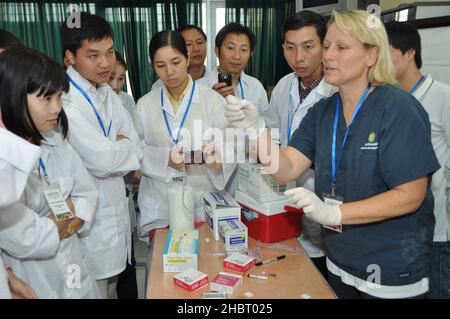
179,179
57,203
333,200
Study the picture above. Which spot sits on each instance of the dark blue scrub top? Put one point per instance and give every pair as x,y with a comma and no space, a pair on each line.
389,144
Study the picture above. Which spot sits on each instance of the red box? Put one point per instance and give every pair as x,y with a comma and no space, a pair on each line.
191,279
239,262
226,282
269,222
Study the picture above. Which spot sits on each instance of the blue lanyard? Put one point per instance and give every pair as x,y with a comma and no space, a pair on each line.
334,165
42,165
184,116
242,90
416,85
92,105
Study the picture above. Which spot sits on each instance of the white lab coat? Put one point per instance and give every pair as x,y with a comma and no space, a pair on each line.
207,108
127,101
22,231
17,158
4,289
253,91
55,277
283,102
435,97
108,242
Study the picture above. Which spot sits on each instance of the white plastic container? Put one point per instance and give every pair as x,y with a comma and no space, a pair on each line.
260,186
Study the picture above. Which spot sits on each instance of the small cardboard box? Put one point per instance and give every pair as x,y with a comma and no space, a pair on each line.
269,222
239,262
233,234
191,279
220,206
181,250
226,282
262,187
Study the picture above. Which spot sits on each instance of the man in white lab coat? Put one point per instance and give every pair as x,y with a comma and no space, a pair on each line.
102,133
294,95
234,48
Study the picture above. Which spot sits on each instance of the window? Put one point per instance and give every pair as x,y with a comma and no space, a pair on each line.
216,21
402,15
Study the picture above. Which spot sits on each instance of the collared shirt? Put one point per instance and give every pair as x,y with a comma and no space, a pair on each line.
303,91
284,101
434,97
206,112
253,89
176,103
107,160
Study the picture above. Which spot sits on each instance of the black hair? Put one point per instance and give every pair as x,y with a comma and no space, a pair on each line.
235,28
25,71
92,28
120,60
165,38
305,18
9,40
404,37
192,26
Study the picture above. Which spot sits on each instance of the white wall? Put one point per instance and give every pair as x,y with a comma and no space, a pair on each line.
435,53
389,4
347,4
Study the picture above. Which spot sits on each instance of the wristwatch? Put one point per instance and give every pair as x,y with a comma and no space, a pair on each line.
70,230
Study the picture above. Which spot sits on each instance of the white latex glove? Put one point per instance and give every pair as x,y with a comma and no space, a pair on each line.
314,207
243,114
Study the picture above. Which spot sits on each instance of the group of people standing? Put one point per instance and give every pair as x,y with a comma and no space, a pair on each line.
363,133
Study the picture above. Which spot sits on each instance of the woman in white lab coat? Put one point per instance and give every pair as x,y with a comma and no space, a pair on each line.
33,111
181,105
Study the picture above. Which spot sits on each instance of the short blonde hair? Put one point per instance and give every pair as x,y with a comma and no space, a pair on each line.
370,31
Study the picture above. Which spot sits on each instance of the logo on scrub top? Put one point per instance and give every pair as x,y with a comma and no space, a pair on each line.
371,144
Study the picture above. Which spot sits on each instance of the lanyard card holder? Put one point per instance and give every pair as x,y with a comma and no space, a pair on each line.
57,203
333,200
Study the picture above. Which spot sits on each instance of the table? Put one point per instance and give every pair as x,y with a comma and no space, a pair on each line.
297,277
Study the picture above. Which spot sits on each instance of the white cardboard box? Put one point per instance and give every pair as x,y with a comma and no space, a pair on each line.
181,250
191,279
239,262
220,206
260,186
233,234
